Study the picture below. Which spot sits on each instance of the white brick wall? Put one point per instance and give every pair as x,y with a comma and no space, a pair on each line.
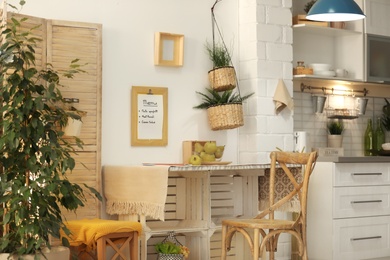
265,57
315,124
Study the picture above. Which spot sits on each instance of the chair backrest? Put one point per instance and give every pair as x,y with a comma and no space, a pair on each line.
299,183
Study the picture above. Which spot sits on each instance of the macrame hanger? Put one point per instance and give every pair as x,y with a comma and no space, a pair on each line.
215,25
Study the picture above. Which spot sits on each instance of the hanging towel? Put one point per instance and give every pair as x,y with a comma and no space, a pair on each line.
136,190
282,98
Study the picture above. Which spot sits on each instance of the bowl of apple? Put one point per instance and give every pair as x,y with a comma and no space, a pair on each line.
207,153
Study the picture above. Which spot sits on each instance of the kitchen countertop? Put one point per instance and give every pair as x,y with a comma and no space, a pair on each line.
353,159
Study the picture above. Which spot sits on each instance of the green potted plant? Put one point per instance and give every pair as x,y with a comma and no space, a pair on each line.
224,109
35,157
308,5
223,76
171,249
335,131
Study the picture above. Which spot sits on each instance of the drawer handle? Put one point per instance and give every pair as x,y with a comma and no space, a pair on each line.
365,238
366,173
365,201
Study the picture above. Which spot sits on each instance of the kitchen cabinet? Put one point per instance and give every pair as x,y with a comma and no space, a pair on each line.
349,211
342,48
377,12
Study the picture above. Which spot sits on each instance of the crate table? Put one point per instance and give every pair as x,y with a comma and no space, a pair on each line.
199,197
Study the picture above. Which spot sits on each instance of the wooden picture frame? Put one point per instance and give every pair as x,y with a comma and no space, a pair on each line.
149,116
168,49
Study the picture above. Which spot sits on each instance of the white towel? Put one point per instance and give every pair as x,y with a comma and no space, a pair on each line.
136,190
282,98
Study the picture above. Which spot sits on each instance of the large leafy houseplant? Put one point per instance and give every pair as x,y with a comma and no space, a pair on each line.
34,155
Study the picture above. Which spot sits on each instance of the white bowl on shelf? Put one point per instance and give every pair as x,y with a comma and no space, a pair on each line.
326,73
320,67
386,146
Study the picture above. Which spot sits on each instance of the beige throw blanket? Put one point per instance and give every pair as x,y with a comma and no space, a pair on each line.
136,190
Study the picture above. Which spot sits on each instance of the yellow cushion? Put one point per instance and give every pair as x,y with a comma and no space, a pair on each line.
88,231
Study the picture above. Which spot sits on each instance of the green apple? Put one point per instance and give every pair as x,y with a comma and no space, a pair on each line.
208,157
210,147
198,147
195,160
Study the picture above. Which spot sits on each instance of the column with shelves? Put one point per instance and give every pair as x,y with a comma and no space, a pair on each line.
342,48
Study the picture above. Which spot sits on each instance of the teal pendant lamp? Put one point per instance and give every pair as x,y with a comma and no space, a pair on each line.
335,11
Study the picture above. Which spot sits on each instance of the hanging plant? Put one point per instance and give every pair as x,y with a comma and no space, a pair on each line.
224,110
223,75
224,107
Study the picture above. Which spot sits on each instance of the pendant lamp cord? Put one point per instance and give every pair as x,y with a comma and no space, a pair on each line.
215,26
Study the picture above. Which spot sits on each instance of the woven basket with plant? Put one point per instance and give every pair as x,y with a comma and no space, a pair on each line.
224,110
223,76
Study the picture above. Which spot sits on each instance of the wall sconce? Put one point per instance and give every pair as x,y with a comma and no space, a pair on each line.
335,11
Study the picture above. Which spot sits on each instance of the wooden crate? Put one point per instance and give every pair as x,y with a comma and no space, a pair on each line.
301,19
189,148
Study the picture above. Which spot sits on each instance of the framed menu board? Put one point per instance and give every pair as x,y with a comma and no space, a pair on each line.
149,116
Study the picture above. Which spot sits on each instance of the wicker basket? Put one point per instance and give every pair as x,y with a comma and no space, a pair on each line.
227,116
171,238
222,78
170,256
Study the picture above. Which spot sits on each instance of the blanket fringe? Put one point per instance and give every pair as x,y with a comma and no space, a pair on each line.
153,210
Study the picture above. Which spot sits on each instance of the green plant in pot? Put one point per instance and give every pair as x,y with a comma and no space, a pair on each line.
224,109
309,5
386,115
35,157
335,130
223,76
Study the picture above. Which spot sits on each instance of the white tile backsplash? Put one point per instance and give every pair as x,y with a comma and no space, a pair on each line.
315,124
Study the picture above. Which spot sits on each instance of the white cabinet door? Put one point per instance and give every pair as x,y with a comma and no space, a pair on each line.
361,174
365,201
361,238
377,12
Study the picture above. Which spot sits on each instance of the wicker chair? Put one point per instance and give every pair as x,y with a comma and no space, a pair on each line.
271,228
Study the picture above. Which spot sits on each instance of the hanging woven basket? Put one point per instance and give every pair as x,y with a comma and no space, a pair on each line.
226,116
222,78
171,238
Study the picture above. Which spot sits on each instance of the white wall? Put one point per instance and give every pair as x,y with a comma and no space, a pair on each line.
128,53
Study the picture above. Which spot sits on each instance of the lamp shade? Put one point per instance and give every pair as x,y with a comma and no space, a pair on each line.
335,11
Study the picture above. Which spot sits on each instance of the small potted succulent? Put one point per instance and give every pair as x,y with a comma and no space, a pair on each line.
335,131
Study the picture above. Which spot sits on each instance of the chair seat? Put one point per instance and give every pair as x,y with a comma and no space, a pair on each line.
89,234
259,223
266,229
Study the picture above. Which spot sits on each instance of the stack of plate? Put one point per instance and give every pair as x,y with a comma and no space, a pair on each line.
322,69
